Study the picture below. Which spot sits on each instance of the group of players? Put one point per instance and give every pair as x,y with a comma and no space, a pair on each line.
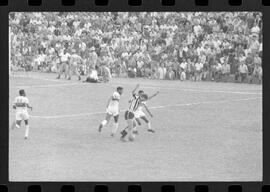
133,115
72,64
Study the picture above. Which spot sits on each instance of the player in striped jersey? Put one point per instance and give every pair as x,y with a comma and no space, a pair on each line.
21,104
129,114
139,114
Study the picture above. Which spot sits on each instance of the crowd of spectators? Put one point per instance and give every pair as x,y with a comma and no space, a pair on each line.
197,46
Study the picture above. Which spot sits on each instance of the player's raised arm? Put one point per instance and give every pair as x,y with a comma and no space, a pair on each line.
137,86
153,95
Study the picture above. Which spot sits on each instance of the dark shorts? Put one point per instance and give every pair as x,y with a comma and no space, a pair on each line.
129,115
90,80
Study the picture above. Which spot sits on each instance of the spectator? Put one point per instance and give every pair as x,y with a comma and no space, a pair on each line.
243,71
137,43
257,74
225,71
170,74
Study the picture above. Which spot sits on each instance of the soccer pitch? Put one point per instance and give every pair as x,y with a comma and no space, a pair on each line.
205,131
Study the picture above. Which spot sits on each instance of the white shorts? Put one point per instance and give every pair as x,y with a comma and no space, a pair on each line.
139,114
22,115
114,111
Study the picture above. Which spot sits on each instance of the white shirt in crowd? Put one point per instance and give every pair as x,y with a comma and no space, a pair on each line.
183,65
162,72
198,66
94,75
219,67
243,68
65,57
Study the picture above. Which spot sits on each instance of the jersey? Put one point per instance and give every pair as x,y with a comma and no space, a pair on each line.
21,103
65,57
139,112
134,103
113,107
94,75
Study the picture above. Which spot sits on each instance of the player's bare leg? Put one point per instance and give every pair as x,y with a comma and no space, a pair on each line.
16,124
134,126
135,130
131,136
116,125
26,129
104,122
127,131
13,125
60,71
67,72
78,75
149,128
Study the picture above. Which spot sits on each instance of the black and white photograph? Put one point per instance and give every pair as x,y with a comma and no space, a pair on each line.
135,96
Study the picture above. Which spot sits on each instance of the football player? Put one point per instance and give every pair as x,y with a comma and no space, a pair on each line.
129,114
21,104
112,110
139,114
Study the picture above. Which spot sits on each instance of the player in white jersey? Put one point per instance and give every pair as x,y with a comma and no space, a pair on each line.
112,110
21,104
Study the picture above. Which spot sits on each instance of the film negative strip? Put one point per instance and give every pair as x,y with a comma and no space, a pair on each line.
134,95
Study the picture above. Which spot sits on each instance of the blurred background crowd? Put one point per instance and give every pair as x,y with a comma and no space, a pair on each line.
196,46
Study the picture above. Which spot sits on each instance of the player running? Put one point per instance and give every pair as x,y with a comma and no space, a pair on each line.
21,104
112,109
129,114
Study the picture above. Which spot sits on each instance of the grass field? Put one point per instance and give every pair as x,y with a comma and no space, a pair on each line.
205,131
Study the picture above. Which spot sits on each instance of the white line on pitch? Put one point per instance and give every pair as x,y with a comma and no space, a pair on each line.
151,87
155,107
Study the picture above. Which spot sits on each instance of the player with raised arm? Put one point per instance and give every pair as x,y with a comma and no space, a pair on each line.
21,104
112,109
129,114
139,114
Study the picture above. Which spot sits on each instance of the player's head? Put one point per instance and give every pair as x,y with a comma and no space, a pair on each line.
120,90
22,92
144,97
140,92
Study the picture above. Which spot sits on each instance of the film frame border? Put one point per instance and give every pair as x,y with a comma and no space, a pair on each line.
123,5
